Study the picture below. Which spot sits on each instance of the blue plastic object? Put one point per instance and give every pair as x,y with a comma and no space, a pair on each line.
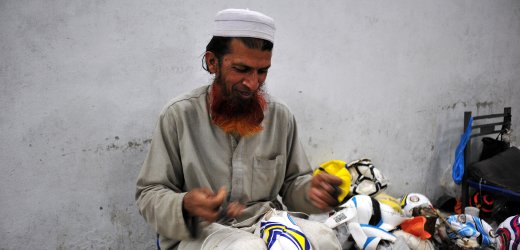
457,172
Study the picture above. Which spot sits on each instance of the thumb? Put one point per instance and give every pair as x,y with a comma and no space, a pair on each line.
221,195
218,198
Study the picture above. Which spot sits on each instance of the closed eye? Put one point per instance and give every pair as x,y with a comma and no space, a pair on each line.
241,69
263,71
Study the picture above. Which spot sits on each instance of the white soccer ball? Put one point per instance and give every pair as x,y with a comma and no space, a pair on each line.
366,179
413,200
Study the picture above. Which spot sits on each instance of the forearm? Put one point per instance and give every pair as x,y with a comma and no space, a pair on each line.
296,196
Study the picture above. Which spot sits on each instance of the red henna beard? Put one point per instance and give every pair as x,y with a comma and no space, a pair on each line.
234,114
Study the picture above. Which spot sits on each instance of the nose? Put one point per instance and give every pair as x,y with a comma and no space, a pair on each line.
252,81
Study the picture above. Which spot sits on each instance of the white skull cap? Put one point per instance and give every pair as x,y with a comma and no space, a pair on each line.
244,23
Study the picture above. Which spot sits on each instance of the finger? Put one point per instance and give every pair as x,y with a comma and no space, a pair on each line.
221,194
322,196
315,200
194,199
235,209
326,187
320,205
202,196
330,199
315,195
322,182
213,201
315,181
204,191
331,179
217,200
318,202
196,203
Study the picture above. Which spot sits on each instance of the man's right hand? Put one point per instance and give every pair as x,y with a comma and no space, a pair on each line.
203,203
322,191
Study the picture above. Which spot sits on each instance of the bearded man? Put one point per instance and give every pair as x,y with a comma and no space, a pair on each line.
222,154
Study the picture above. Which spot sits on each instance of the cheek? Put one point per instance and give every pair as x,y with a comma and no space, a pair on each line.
228,82
232,79
261,78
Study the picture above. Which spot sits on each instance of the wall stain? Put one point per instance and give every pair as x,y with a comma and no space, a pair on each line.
136,144
371,20
484,104
120,217
310,143
117,145
112,146
452,106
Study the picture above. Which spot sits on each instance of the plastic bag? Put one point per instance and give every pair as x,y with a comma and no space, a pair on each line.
448,185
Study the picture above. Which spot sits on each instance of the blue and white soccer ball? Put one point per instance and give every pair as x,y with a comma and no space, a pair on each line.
468,231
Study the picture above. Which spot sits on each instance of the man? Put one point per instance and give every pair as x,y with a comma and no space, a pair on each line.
221,154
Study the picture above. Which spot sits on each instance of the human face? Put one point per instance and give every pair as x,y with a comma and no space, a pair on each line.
243,71
237,101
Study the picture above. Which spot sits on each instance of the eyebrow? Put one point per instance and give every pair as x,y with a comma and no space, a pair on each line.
249,67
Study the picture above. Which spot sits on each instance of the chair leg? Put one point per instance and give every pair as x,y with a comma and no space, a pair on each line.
464,195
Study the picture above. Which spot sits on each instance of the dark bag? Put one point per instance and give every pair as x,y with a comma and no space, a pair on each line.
492,147
501,170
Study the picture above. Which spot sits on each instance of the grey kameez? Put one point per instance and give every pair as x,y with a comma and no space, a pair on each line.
188,151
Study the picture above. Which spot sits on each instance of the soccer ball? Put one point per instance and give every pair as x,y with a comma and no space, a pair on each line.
366,179
468,232
413,200
508,232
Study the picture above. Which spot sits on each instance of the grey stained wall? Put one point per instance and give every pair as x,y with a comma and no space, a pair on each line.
82,83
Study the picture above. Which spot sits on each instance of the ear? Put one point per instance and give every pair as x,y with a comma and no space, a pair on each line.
211,61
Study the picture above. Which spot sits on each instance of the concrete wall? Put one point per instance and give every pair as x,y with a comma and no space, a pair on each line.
82,83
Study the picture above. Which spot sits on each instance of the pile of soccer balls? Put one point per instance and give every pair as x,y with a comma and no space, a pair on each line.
362,199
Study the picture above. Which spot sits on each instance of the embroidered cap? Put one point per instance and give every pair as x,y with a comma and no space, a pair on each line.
244,23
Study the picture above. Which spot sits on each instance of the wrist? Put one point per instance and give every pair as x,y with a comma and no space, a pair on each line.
191,222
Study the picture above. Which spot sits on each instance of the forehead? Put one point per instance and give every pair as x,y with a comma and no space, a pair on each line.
241,54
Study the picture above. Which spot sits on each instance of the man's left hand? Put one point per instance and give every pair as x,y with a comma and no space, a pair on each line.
322,191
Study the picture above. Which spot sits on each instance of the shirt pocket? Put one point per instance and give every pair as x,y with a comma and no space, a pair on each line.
267,178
